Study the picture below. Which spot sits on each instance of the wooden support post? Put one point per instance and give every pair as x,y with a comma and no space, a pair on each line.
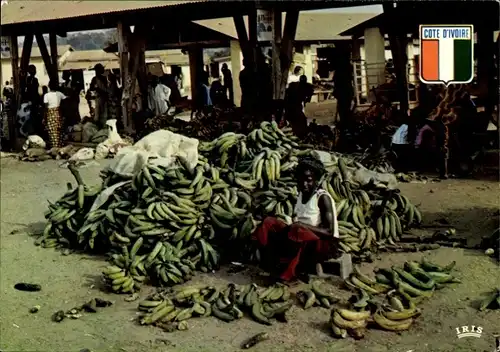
239,24
123,32
485,67
195,70
14,57
45,55
142,79
252,37
398,41
54,55
26,54
25,61
130,84
276,44
140,33
291,20
398,47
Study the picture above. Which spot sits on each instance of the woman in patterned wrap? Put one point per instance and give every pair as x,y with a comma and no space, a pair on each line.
53,119
312,238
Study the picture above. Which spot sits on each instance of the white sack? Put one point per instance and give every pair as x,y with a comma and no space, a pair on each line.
101,151
114,139
162,146
113,136
363,176
83,154
322,156
359,174
34,141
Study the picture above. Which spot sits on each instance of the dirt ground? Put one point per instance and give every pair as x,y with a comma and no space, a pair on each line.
67,281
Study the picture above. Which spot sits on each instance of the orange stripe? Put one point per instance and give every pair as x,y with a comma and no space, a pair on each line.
430,60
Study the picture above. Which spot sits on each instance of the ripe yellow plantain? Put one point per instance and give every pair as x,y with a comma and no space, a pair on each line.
353,315
391,325
347,324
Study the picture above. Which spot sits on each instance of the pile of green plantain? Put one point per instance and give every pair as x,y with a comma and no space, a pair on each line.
491,300
402,289
170,309
164,223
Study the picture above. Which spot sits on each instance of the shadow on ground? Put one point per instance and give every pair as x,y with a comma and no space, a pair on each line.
472,223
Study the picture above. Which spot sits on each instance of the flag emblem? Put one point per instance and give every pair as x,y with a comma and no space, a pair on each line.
446,54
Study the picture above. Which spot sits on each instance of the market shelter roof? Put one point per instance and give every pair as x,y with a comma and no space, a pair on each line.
21,17
20,11
86,59
311,26
407,16
178,35
35,51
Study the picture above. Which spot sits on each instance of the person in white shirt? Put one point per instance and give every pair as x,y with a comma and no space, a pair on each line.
53,120
313,236
295,77
402,147
158,97
400,137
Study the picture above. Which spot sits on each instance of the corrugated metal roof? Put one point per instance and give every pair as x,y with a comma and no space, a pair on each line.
312,26
90,55
88,65
86,59
35,51
20,11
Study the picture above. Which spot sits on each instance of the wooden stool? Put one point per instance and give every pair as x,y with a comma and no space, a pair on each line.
344,261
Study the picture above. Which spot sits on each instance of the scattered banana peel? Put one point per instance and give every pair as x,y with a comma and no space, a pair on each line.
255,340
491,301
76,312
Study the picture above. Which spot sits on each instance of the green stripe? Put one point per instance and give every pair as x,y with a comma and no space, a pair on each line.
462,50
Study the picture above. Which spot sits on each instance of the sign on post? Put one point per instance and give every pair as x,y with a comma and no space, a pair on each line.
5,46
264,25
446,54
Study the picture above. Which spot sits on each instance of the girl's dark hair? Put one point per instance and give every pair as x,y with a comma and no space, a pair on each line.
53,85
297,69
310,164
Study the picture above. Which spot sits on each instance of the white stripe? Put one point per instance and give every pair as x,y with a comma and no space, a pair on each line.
446,60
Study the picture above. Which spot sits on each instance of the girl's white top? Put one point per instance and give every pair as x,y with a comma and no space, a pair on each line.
53,99
310,213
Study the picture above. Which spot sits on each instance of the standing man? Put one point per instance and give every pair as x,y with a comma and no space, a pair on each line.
228,83
99,94
297,95
7,90
69,106
158,97
295,77
401,145
247,85
30,94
